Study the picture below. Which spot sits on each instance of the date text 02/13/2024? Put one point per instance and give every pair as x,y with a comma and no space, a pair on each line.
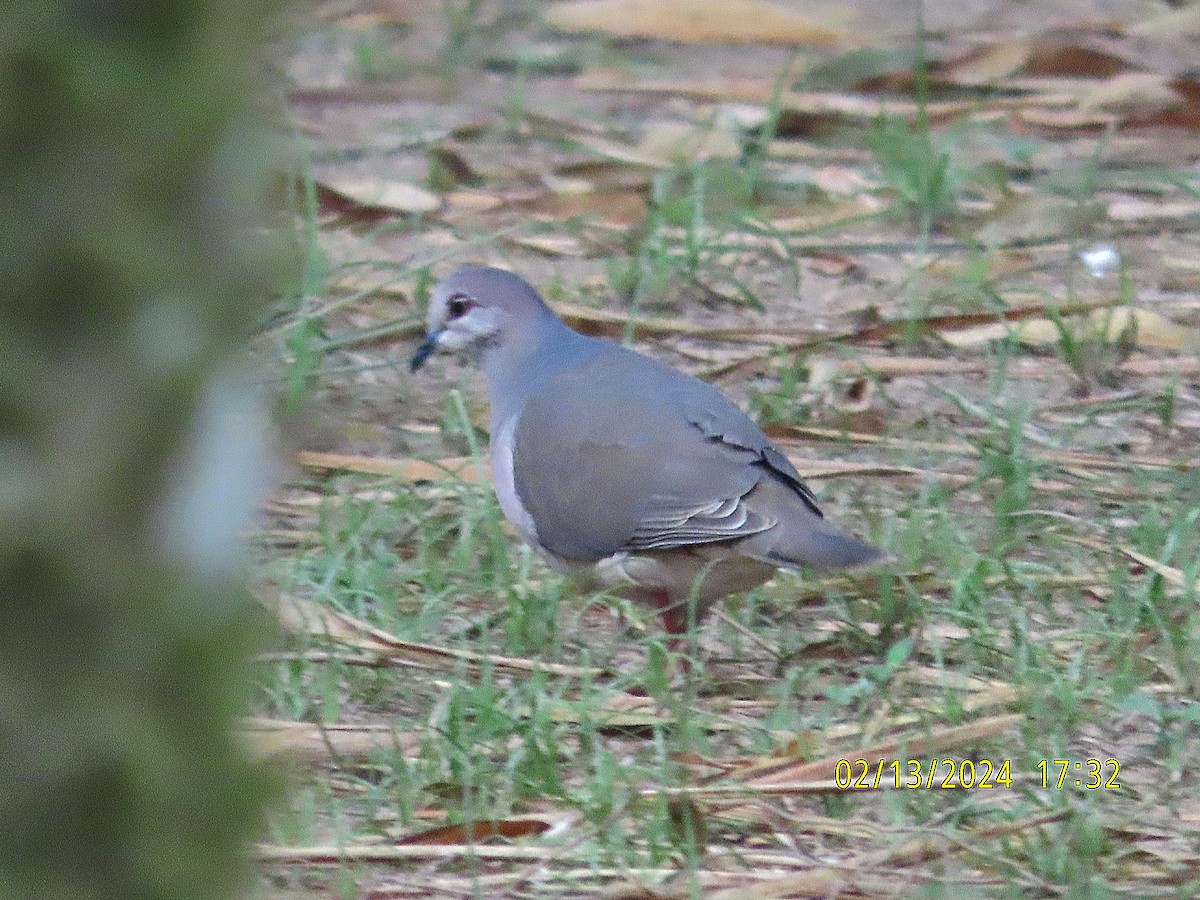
971,774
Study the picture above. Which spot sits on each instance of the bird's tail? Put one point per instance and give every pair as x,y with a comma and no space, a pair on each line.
802,538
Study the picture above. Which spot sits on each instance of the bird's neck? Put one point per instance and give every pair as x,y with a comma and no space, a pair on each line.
514,369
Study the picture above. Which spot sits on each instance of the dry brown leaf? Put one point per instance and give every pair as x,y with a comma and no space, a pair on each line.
1135,210
477,832
618,151
815,104
1137,94
670,142
550,244
819,469
821,216
312,743
935,633
949,678
694,21
549,125
841,181
1174,367
1151,330
1029,217
1032,332
737,790
567,186
1056,59
622,209
1066,119
989,64
1033,58
859,107
831,265
622,710
880,331
1177,23
470,200
406,470
383,194
287,538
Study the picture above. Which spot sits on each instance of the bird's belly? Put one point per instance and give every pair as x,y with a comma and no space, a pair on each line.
709,572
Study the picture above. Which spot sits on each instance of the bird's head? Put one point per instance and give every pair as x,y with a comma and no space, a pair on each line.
477,308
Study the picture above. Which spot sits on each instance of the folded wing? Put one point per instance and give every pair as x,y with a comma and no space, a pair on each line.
665,461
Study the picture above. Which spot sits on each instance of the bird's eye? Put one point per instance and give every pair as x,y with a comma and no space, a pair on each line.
459,305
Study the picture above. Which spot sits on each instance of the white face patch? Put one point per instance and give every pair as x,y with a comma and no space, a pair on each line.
470,332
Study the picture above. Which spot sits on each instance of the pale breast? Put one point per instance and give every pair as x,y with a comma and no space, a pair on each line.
505,482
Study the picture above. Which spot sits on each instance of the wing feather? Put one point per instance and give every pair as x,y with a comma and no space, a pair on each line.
665,524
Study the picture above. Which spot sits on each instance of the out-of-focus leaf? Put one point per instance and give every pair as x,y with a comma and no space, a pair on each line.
1150,329
403,469
509,829
1067,118
695,21
856,67
1048,59
842,181
310,742
551,244
1031,217
1133,209
991,64
1134,93
1177,23
620,208
380,195
680,142
1037,58
813,105
824,215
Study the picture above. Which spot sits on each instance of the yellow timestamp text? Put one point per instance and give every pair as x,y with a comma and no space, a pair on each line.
923,774
1091,774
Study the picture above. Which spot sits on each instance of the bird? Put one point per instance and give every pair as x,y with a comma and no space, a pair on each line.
648,481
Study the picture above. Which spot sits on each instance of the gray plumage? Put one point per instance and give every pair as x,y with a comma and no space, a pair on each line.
617,464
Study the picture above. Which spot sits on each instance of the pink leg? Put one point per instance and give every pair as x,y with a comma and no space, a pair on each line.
674,619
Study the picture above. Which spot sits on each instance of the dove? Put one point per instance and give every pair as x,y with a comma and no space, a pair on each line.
646,480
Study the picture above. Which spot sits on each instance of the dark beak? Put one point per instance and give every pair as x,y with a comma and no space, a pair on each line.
427,349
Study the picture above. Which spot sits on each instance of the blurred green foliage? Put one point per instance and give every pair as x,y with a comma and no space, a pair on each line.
128,195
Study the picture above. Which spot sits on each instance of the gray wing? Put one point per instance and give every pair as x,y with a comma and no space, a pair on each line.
623,453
